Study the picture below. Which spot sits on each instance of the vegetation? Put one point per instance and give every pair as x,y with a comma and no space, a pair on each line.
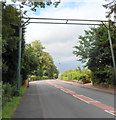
0,100
110,6
94,49
10,106
34,60
77,74
38,64
10,39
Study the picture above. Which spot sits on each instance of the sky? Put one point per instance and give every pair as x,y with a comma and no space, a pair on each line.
59,40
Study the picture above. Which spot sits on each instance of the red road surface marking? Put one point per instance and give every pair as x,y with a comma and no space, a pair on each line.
88,100
103,106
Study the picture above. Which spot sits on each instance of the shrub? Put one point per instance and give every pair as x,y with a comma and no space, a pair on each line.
55,76
45,77
77,75
33,77
8,91
38,78
65,78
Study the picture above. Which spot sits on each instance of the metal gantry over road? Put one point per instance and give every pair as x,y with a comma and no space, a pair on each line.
30,20
64,21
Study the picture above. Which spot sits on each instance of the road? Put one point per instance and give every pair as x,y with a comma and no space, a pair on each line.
54,99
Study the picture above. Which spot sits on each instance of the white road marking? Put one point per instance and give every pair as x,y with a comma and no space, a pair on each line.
110,112
63,90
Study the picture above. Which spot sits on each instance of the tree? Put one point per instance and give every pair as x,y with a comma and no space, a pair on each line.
37,62
111,6
94,49
10,39
34,5
11,18
29,62
48,67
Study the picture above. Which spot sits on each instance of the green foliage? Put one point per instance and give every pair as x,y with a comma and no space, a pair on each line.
45,77
8,91
0,99
10,106
10,39
110,6
94,49
37,62
33,77
38,78
76,75
34,5
34,60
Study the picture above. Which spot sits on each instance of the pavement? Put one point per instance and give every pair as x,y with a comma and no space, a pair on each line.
90,86
56,99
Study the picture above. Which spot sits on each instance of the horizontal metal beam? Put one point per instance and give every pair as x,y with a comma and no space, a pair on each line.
65,23
65,19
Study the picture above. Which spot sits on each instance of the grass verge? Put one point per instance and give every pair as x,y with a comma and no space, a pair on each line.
9,108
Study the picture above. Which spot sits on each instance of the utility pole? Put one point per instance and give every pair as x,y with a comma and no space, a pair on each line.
110,41
112,52
19,57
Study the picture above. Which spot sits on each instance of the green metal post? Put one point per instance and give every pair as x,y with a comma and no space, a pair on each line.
19,60
112,52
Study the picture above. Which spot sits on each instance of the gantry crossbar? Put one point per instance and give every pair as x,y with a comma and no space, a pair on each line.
64,21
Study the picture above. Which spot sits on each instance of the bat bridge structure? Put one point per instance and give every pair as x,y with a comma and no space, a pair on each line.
30,20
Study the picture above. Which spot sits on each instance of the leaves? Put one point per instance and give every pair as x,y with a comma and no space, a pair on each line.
10,39
111,6
94,49
37,62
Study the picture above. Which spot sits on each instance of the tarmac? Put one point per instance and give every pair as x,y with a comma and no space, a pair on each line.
89,86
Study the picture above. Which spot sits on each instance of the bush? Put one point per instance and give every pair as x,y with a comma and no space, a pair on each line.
33,77
8,91
65,78
38,78
55,76
83,75
45,77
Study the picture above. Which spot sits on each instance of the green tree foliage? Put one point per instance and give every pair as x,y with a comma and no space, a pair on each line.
0,39
77,74
34,5
110,6
37,62
33,57
94,49
48,67
10,39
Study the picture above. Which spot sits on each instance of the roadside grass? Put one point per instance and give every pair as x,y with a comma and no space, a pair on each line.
9,108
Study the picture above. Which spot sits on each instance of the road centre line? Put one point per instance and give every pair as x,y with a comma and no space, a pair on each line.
88,100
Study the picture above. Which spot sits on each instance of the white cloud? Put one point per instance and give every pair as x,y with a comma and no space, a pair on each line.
59,39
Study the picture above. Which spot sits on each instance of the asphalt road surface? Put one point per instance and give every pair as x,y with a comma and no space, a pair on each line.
54,99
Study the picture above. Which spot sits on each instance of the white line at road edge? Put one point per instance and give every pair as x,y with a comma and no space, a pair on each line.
110,112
